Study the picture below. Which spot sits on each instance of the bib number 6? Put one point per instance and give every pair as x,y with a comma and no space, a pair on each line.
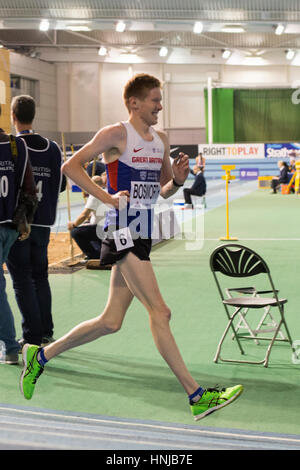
123,238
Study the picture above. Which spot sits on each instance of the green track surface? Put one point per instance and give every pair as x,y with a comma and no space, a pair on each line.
123,375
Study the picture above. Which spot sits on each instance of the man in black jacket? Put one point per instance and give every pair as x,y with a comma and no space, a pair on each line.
28,261
197,189
282,178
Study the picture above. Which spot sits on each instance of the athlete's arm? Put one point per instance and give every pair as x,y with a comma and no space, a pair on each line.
110,142
178,171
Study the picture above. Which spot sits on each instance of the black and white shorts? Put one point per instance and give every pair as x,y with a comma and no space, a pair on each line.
110,255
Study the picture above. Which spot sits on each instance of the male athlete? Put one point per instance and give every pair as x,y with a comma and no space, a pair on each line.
138,169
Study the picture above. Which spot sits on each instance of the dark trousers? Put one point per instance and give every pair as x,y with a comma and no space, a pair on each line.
86,238
188,192
28,266
275,183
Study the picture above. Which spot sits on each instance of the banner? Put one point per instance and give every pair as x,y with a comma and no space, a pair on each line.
283,150
242,151
249,173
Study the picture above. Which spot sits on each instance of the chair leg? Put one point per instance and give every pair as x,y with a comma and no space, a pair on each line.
288,335
229,324
277,331
266,361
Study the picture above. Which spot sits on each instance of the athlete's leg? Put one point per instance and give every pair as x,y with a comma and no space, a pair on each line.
142,282
110,321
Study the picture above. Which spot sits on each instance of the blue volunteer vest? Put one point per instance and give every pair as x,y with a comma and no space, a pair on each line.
12,172
46,168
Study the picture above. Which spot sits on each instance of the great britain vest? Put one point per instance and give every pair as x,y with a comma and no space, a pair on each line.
138,171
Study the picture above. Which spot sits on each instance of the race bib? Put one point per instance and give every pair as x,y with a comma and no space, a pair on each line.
143,194
123,238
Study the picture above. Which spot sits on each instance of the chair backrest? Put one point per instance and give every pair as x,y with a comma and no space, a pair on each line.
237,261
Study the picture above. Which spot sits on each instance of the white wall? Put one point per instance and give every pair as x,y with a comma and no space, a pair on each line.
84,97
46,113
78,98
111,101
255,76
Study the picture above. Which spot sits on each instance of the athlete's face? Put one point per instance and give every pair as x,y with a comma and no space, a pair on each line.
150,106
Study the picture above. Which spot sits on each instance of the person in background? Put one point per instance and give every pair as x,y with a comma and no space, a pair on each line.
16,173
28,261
197,189
282,178
292,165
96,168
200,164
85,234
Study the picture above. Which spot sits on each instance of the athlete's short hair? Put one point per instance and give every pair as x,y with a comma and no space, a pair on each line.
139,86
24,108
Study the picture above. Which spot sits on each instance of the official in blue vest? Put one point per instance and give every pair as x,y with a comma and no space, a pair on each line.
28,261
15,173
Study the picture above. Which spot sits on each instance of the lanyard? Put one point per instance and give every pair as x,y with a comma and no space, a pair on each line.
26,131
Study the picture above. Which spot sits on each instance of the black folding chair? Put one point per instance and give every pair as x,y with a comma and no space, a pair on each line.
238,261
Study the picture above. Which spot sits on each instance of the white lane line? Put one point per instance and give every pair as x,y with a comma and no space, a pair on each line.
158,426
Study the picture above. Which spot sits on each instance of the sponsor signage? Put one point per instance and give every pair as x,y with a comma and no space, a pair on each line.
283,150
239,151
249,173
232,150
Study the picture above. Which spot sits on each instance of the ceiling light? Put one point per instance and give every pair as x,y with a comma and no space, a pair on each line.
226,54
289,54
44,25
198,27
279,29
163,51
232,28
102,51
120,27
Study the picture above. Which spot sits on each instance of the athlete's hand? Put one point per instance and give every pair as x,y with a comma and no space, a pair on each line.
181,168
120,199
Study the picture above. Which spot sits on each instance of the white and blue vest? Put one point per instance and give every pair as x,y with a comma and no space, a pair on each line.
137,171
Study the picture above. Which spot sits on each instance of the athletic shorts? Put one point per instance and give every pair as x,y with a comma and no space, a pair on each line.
110,255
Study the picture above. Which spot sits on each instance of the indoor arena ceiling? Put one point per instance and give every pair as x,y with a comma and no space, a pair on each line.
150,24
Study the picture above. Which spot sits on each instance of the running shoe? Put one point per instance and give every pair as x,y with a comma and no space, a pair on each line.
31,370
213,399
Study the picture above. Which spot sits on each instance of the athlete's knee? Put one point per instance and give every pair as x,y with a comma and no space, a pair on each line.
161,315
110,326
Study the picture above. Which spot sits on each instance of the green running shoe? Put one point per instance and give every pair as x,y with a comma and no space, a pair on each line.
31,370
213,399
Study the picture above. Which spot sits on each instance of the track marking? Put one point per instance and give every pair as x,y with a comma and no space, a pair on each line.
159,427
